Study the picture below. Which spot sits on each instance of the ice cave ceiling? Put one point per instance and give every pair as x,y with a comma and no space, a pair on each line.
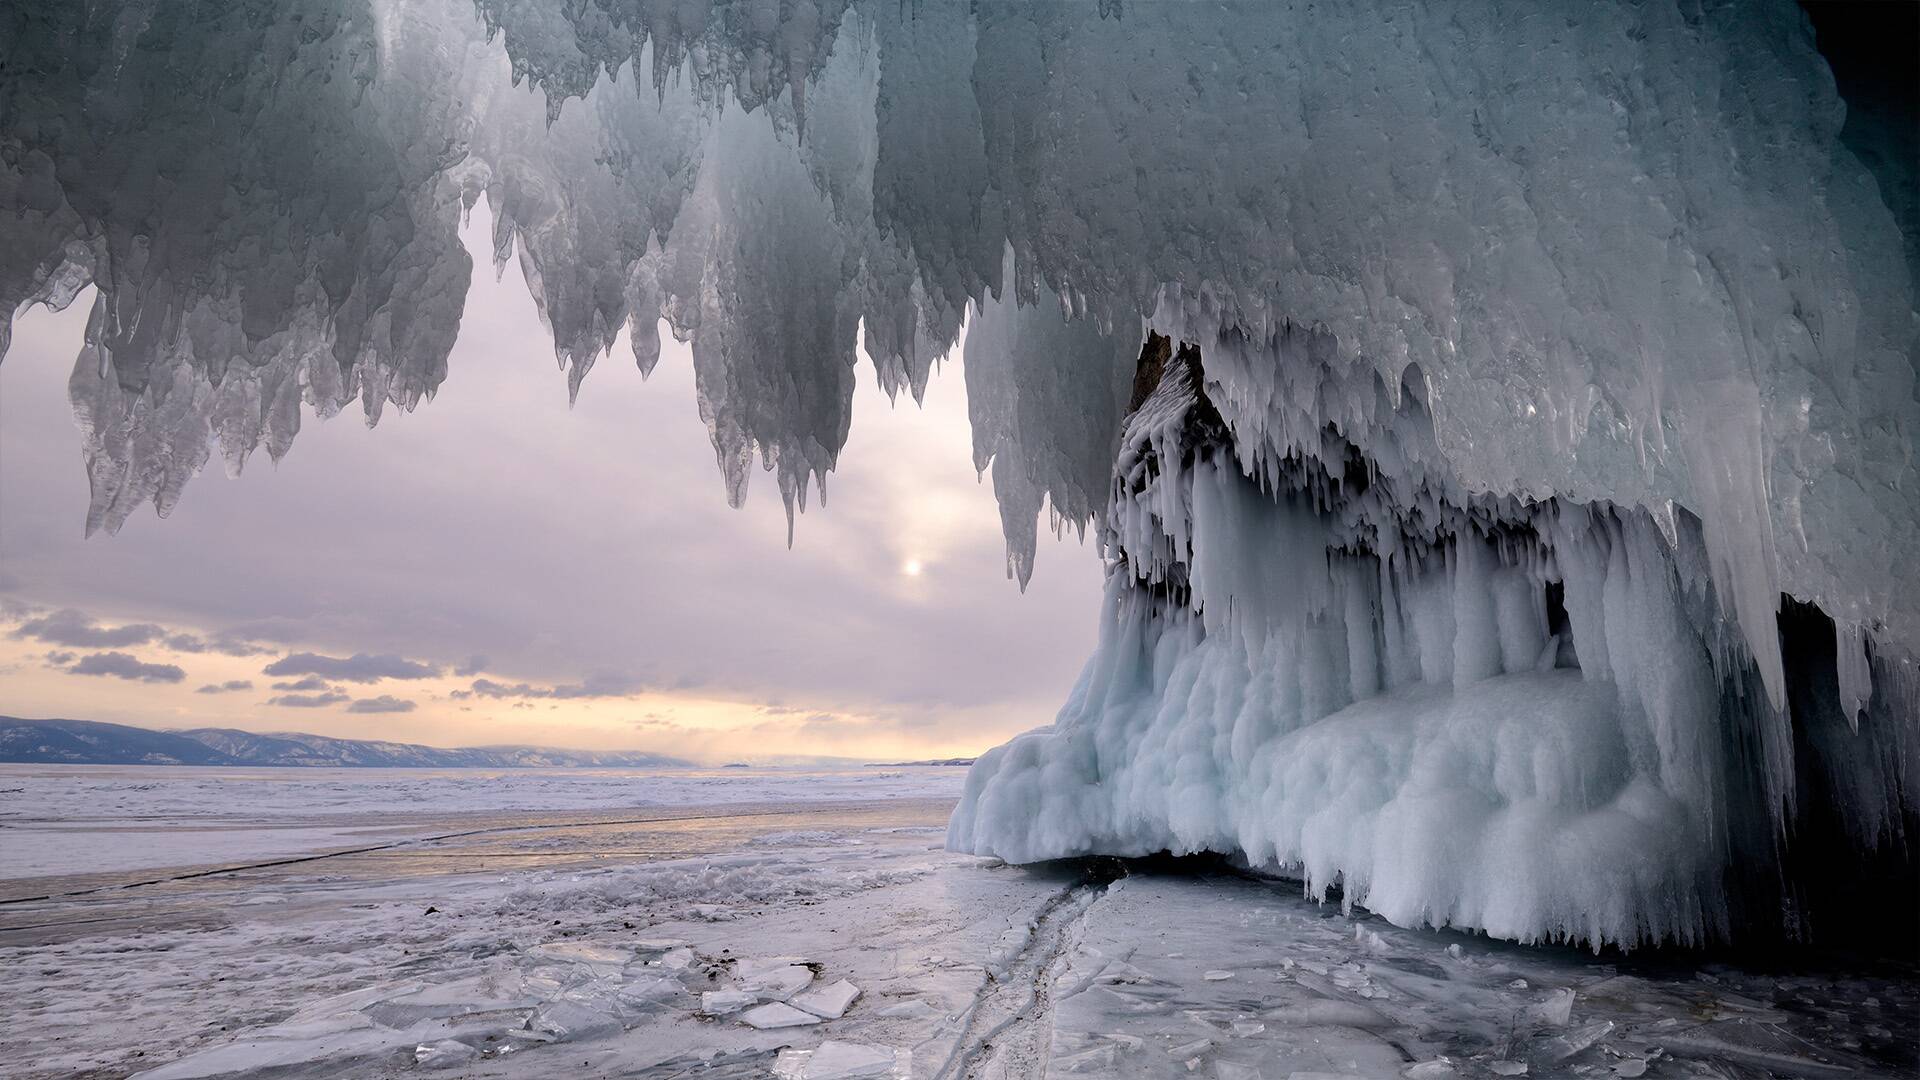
1589,327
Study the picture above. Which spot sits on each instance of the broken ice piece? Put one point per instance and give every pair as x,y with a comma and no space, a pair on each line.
1233,1070
1557,1009
1217,976
445,1054
318,1026
677,959
1192,1049
836,1060
827,1002
1248,1028
596,957
1562,1047
650,988
778,983
1101,1060
726,1002
910,1009
1437,1069
1517,984
569,1020
1630,1068
787,1065
1454,950
658,945
1508,1068
777,1014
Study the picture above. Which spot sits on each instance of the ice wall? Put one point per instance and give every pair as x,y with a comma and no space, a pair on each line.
1480,711
1581,285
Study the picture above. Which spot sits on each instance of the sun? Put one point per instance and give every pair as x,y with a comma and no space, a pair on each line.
912,567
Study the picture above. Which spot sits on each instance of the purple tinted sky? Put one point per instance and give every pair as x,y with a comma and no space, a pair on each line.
587,553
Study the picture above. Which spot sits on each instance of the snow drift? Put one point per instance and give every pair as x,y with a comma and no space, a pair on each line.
1534,360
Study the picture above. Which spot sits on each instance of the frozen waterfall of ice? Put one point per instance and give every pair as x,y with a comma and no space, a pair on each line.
1534,358
1491,713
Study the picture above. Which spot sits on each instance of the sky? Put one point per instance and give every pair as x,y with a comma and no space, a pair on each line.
499,568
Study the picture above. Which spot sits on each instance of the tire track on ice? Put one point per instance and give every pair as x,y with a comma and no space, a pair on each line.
1007,1033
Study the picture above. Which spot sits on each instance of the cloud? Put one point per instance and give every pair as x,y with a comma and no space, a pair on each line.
594,686
123,666
70,626
307,701
60,657
227,687
820,724
306,685
360,667
224,644
18,610
75,628
475,665
385,703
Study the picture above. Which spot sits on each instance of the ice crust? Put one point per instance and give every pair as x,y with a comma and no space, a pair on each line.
1592,299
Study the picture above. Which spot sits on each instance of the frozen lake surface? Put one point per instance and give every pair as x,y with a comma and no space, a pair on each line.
77,819
777,923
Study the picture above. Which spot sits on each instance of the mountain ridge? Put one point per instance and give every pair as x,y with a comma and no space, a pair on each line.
92,742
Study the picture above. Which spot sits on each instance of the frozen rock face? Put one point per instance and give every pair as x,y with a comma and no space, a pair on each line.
1528,718
1612,307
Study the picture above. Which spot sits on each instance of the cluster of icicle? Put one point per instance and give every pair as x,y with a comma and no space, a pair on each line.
1318,653
1632,250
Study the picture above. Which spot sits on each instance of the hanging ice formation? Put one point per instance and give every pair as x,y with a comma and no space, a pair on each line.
1527,717
1514,522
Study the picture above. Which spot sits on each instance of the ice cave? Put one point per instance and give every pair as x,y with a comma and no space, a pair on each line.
1498,424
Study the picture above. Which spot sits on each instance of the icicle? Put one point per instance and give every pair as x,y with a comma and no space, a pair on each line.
1854,669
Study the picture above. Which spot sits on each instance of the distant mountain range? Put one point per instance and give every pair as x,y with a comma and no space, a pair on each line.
85,742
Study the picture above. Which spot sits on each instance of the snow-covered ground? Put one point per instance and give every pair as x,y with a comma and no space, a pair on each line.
649,943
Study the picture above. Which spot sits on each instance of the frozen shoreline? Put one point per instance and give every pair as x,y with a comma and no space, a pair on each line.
581,944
